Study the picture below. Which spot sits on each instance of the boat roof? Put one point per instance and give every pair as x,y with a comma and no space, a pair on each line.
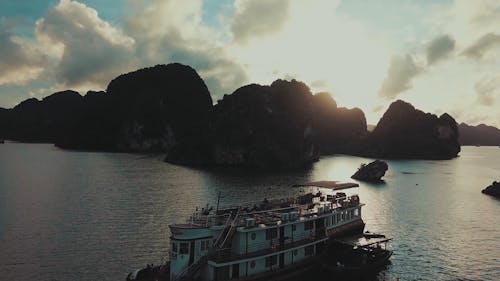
269,211
334,185
361,241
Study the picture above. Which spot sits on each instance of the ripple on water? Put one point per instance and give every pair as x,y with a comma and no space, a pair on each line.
97,216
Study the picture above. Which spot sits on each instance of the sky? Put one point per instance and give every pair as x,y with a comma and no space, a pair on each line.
441,56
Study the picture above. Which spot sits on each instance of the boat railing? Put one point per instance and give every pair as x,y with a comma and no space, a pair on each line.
208,220
252,204
269,216
265,248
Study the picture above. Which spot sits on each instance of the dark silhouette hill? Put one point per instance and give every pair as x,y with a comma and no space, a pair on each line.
266,126
42,121
338,129
168,109
4,115
406,132
478,135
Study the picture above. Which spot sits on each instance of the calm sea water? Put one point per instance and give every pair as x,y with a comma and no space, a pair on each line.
68,215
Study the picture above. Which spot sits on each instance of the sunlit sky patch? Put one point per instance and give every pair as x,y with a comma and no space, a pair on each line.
442,56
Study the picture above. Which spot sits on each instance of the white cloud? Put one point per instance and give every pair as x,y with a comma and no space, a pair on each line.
485,45
319,43
173,31
400,74
20,60
91,51
488,90
258,18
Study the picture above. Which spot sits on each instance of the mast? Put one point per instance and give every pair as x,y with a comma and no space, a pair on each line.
218,200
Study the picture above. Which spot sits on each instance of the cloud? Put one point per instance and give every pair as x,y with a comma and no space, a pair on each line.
91,51
440,48
488,90
183,37
483,45
319,84
402,70
20,61
258,18
486,13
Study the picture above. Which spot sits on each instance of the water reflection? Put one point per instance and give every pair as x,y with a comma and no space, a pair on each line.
77,215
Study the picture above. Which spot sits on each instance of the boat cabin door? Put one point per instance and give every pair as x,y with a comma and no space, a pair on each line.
320,227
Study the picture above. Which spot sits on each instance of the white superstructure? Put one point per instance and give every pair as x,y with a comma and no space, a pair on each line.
255,240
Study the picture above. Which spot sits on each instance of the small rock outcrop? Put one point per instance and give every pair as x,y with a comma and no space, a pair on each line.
408,133
373,171
493,189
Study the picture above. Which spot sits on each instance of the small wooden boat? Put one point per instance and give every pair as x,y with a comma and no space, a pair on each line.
369,235
354,260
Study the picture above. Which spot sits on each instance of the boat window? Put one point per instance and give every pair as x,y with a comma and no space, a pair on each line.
271,233
294,227
338,218
184,248
309,250
174,247
272,260
308,225
356,212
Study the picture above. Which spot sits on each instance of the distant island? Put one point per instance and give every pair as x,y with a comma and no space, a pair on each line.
169,109
481,134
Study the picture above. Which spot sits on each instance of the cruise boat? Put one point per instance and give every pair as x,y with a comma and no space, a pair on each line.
255,241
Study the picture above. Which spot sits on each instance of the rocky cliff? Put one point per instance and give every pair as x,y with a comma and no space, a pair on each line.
166,108
405,132
265,126
43,121
338,130
4,114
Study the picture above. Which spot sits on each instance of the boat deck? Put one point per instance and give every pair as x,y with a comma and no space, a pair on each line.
270,212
